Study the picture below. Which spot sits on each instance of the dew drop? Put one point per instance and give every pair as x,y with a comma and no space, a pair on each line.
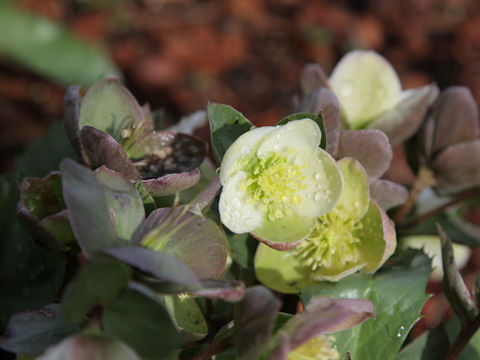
318,197
328,192
318,176
400,331
356,204
276,147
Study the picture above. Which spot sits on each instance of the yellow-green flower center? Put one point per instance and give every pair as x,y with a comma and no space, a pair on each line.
316,348
333,243
273,181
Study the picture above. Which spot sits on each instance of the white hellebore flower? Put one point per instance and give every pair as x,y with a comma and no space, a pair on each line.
277,181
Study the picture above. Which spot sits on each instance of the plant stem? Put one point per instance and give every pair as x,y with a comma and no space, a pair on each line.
463,337
424,179
213,349
440,209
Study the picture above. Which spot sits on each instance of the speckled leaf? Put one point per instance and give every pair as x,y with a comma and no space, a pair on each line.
123,200
187,316
226,125
388,194
397,293
323,102
457,168
196,241
312,77
456,118
370,147
257,315
108,106
87,208
455,289
101,149
401,122
143,324
31,332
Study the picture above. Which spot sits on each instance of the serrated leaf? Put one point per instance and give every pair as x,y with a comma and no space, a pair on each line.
31,332
143,324
398,294
50,50
226,125
98,282
318,120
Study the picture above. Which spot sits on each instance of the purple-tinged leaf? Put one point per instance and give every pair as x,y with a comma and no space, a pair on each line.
159,264
40,197
203,200
71,113
170,184
457,168
426,137
102,149
123,200
455,289
324,315
406,117
230,291
323,102
456,118
370,147
312,77
257,315
388,194
87,208
197,241
108,106
31,332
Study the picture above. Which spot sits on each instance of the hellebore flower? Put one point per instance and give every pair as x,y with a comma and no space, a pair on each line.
355,235
41,208
276,182
370,147
452,141
108,127
370,94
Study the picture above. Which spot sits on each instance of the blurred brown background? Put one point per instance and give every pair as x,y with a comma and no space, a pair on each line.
180,54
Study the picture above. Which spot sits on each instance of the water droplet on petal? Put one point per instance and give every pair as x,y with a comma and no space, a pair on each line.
318,197
318,176
356,204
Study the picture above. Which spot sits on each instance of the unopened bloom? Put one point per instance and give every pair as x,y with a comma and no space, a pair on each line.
355,235
277,181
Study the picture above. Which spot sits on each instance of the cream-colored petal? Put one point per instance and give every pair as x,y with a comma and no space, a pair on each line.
237,212
295,135
366,86
242,146
323,183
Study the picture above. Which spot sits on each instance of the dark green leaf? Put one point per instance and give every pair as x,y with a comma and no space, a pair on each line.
243,249
226,125
432,345
398,294
31,332
50,50
98,282
142,323
316,118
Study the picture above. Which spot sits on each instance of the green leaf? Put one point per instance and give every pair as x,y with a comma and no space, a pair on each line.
316,118
226,125
44,154
398,294
142,323
243,249
50,50
31,332
188,316
97,283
